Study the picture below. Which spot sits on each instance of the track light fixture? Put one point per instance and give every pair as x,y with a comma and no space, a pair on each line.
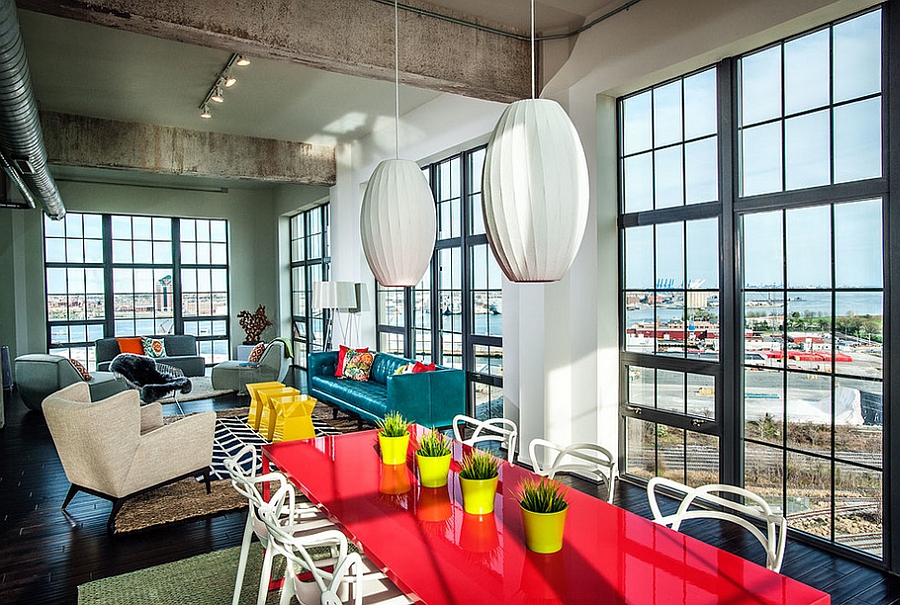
223,80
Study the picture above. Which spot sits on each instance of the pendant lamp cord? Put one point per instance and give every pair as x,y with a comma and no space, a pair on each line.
397,82
532,47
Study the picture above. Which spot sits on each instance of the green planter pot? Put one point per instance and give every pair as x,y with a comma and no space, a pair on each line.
544,531
478,495
393,449
433,471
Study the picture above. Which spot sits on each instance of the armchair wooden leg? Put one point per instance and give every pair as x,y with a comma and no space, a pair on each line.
110,523
206,479
73,489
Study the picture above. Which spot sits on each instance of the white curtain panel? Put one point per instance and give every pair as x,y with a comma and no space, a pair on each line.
535,189
397,223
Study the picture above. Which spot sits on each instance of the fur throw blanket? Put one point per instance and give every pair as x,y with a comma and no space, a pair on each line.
142,372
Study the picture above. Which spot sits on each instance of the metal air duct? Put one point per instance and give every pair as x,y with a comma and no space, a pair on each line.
24,157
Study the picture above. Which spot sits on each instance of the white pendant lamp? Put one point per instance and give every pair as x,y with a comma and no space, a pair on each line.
397,222
535,189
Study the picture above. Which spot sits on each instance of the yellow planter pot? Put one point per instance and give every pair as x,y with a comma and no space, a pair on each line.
478,495
544,531
393,449
433,470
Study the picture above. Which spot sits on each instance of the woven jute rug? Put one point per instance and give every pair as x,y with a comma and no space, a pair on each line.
187,499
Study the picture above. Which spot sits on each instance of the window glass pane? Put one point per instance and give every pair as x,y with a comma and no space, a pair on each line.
807,150
669,177
641,386
670,391
761,86
701,171
639,258
638,176
640,448
761,159
703,254
701,395
858,245
809,247
857,141
670,256
762,245
807,63
637,123
667,114
857,57
700,113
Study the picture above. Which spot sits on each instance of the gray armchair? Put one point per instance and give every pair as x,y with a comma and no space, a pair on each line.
39,375
236,375
115,448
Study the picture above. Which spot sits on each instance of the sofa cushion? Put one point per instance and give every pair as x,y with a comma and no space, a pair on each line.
358,365
131,344
367,395
257,353
342,354
180,344
153,347
85,375
385,365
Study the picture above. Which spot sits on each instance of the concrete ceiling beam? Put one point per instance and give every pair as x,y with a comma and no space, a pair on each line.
97,143
353,37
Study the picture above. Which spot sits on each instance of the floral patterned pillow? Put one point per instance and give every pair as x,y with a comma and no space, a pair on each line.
358,365
153,347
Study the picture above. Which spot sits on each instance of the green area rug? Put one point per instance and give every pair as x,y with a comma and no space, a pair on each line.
206,579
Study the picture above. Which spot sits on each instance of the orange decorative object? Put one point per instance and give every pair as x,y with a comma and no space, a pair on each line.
131,345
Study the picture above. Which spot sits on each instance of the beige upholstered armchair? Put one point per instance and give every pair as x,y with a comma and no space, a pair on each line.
114,448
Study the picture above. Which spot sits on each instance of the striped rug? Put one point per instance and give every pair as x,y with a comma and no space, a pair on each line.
234,433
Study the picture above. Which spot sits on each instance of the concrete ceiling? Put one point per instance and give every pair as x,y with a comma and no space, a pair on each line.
91,70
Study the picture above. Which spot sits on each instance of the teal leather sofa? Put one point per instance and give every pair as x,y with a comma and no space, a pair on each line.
429,398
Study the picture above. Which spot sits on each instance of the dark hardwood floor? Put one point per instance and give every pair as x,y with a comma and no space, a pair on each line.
45,554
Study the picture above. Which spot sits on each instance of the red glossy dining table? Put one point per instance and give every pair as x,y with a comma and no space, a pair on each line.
439,555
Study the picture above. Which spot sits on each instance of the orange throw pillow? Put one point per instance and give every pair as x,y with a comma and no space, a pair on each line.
131,345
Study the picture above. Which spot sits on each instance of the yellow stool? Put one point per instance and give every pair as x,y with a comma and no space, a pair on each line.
267,409
293,418
255,404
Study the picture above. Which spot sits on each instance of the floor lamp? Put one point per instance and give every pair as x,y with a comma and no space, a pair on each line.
335,296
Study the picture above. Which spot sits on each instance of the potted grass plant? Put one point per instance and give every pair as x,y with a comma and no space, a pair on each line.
393,438
433,458
478,481
544,507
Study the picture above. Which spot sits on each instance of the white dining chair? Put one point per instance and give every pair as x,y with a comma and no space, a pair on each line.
500,430
595,461
753,508
350,575
303,516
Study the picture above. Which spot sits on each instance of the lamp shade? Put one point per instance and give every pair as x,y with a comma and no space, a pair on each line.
334,295
397,223
535,190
